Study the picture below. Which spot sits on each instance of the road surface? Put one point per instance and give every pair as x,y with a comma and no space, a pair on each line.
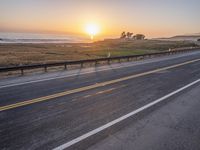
150,104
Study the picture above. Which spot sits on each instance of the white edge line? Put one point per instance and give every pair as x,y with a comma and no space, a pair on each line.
74,74
99,129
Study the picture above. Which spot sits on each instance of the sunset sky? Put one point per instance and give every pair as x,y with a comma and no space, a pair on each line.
154,18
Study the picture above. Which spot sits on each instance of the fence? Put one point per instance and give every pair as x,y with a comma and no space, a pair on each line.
95,61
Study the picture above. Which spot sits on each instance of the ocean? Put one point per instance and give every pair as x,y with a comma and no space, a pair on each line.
40,38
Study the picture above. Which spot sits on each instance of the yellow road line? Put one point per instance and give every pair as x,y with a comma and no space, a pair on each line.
98,93
45,98
87,96
105,91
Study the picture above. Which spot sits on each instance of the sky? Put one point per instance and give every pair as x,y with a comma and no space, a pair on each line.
154,18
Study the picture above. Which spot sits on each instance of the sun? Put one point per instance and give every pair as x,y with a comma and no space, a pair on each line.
92,29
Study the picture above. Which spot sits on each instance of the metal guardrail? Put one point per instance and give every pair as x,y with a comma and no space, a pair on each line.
95,61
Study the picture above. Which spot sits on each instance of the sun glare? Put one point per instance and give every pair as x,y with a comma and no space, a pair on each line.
92,30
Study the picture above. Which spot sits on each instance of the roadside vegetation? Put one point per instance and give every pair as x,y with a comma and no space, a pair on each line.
130,35
24,54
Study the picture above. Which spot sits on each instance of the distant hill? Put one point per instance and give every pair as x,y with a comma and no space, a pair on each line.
192,37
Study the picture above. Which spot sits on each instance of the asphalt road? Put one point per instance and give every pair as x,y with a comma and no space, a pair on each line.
67,110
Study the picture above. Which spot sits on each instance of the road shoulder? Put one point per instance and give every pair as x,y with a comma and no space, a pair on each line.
175,125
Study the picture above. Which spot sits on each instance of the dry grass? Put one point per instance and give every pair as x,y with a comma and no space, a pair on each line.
23,54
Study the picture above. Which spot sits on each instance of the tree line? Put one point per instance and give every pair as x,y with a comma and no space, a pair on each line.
129,35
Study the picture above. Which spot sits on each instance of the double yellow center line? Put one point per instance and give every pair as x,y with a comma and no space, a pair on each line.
57,95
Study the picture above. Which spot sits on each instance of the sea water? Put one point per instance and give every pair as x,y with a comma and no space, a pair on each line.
40,38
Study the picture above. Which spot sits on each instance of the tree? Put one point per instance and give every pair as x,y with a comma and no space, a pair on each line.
139,37
129,35
123,35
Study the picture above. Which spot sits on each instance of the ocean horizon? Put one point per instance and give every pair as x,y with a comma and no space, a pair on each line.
7,37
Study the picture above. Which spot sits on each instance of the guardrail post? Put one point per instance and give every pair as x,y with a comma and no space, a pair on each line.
22,72
81,65
95,63
108,61
45,68
65,66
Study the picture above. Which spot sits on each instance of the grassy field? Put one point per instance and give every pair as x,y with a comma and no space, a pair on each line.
23,54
